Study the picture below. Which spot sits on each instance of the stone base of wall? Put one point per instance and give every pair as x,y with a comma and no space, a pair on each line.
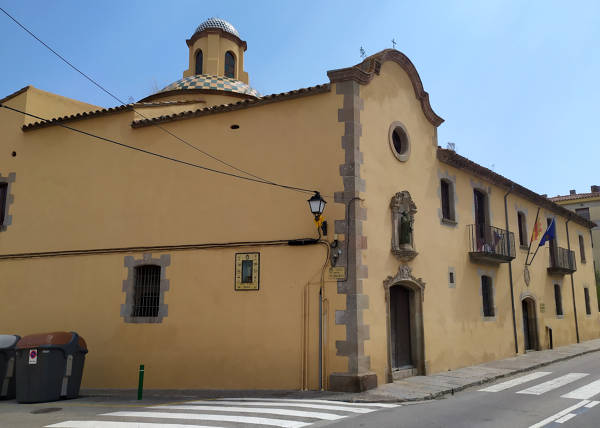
346,382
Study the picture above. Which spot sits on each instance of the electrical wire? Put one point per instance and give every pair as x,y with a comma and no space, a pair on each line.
158,155
122,102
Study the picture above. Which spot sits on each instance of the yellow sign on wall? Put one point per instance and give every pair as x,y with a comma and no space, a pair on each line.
338,272
247,271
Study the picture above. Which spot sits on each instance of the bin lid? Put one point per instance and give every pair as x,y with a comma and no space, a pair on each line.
57,338
8,340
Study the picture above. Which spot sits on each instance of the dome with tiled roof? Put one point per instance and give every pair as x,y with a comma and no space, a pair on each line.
219,23
209,82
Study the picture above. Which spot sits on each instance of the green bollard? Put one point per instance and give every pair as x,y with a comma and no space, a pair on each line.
141,382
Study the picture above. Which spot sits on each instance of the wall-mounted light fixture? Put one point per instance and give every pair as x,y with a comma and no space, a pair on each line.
317,206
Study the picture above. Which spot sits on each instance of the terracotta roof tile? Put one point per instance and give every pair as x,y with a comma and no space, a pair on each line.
575,197
450,157
78,116
267,99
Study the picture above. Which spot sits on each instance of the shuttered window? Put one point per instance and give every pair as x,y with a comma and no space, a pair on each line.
146,291
522,228
558,299
582,249
487,294
3,197
447,200
588,308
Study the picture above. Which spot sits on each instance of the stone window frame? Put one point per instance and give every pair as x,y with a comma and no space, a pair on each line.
522,225
487,190
129,288
451,179
402,157
582,256
10,198
492,276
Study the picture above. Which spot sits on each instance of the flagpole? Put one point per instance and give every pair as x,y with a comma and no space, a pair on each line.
536,251
531,239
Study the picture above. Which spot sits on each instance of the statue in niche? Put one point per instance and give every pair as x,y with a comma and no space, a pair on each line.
405,228
403,217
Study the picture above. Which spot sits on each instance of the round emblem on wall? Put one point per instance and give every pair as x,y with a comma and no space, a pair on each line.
526,276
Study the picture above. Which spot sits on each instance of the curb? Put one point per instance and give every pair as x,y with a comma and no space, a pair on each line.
432,396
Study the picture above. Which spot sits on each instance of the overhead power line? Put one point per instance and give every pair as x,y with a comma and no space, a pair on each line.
66,61
158,155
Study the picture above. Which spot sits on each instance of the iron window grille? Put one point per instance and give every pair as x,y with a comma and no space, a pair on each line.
146,298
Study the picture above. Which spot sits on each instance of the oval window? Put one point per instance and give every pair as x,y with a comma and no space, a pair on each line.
399,142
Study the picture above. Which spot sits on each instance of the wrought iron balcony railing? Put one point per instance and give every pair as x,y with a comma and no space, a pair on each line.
562,261
491,244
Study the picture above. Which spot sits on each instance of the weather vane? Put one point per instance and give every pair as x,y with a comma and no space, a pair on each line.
394,43
362,52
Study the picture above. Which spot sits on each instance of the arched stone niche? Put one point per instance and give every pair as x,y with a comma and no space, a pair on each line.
416,289
403,218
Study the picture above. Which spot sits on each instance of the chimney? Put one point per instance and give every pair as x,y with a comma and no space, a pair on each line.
572,192
595,189
545,195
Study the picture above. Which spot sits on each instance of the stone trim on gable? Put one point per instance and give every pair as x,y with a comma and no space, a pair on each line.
358,377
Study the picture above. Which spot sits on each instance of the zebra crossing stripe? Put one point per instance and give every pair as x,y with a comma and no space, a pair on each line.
289,404
514,382
293,400
113,424
266,411
592,404
585,392
565,418
283,423
559,414
553,384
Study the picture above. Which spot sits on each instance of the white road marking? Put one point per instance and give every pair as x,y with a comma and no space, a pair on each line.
585,392
211,417
112,424
553,384
293,400
565,418
267,411
559,414
592,404
514,382
290,404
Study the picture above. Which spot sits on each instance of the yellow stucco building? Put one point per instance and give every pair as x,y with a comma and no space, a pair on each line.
213,281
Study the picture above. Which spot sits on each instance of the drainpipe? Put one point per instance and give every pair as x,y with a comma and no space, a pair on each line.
510,275
572,282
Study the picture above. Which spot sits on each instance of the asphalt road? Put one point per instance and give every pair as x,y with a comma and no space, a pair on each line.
565,394
537,406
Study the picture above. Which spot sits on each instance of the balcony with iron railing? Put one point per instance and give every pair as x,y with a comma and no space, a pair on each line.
562,261
490,244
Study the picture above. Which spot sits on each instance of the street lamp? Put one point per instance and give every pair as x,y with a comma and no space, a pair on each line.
317,205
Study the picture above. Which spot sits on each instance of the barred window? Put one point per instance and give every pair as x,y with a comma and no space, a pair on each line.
487,294
146,299
558,299
588,308
229,65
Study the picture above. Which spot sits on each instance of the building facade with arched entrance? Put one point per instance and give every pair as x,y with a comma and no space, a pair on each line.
220,282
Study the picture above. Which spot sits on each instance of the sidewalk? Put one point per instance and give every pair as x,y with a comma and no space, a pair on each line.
420,388
417,388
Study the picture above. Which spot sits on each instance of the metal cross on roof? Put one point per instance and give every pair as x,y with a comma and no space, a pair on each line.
394,43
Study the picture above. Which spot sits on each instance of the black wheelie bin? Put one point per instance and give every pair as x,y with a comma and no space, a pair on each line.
49,366
7,365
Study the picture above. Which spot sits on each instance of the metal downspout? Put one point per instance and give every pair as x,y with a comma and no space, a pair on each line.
510,275
572,282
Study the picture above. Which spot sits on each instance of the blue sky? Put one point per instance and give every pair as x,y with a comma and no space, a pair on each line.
516,81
